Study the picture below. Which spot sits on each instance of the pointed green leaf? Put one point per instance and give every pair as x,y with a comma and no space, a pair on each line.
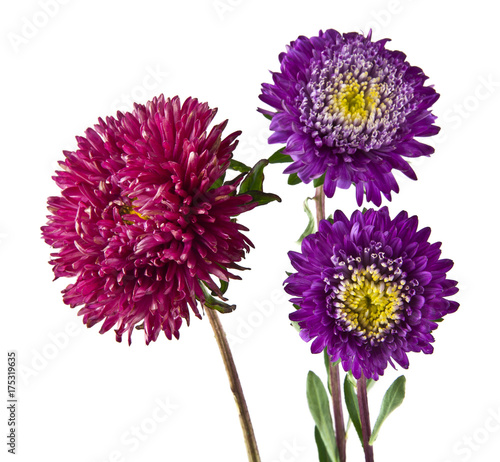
223,286
294,179
319,181
311,223
279,158
267,116
239,166
319,406
393,398
322,452
254,178
218,182
263,198
326,359
214,304
351,401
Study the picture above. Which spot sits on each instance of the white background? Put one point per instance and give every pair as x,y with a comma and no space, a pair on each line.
82,396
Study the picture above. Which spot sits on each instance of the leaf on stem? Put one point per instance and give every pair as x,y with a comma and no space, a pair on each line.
311,223
351,401
322,452
263,198
218,182
319,181
294,179
319,406
279,158
239,166
253,182
393,398
214,304
255,177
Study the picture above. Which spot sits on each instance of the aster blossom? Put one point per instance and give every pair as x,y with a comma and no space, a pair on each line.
144,221
370,289
349,111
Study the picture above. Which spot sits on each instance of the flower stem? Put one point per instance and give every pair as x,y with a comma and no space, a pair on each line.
319,197
334,368
235,385
365,418
337,410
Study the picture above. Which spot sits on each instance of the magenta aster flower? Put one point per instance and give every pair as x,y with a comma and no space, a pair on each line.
140,223
370,290
349,109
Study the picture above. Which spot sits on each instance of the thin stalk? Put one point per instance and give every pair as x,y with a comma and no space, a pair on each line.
235,385
337,410
319,197
333,370
365,418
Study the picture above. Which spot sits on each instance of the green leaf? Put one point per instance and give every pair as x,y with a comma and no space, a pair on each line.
223,286
319,181
322,452
351,401
295,325
310,225
279,158
293,179
326,359
239,166
319,406
218,182
214,304
254,178
393,398
267,116
263,198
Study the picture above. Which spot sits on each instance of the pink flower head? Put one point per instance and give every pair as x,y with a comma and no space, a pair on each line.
141,222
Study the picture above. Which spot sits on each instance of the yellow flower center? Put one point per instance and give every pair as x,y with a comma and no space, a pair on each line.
369,303
130,210
354,100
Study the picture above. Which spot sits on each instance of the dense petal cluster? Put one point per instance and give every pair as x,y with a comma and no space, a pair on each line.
370,289
349,109
139,222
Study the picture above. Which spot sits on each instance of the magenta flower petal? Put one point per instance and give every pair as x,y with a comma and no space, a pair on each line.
139,223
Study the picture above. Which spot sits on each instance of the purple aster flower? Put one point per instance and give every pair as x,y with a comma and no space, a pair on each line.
349,109
370,290
140,223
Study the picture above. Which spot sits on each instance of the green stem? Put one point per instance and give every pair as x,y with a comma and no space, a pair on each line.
333,370
365,418
235,385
